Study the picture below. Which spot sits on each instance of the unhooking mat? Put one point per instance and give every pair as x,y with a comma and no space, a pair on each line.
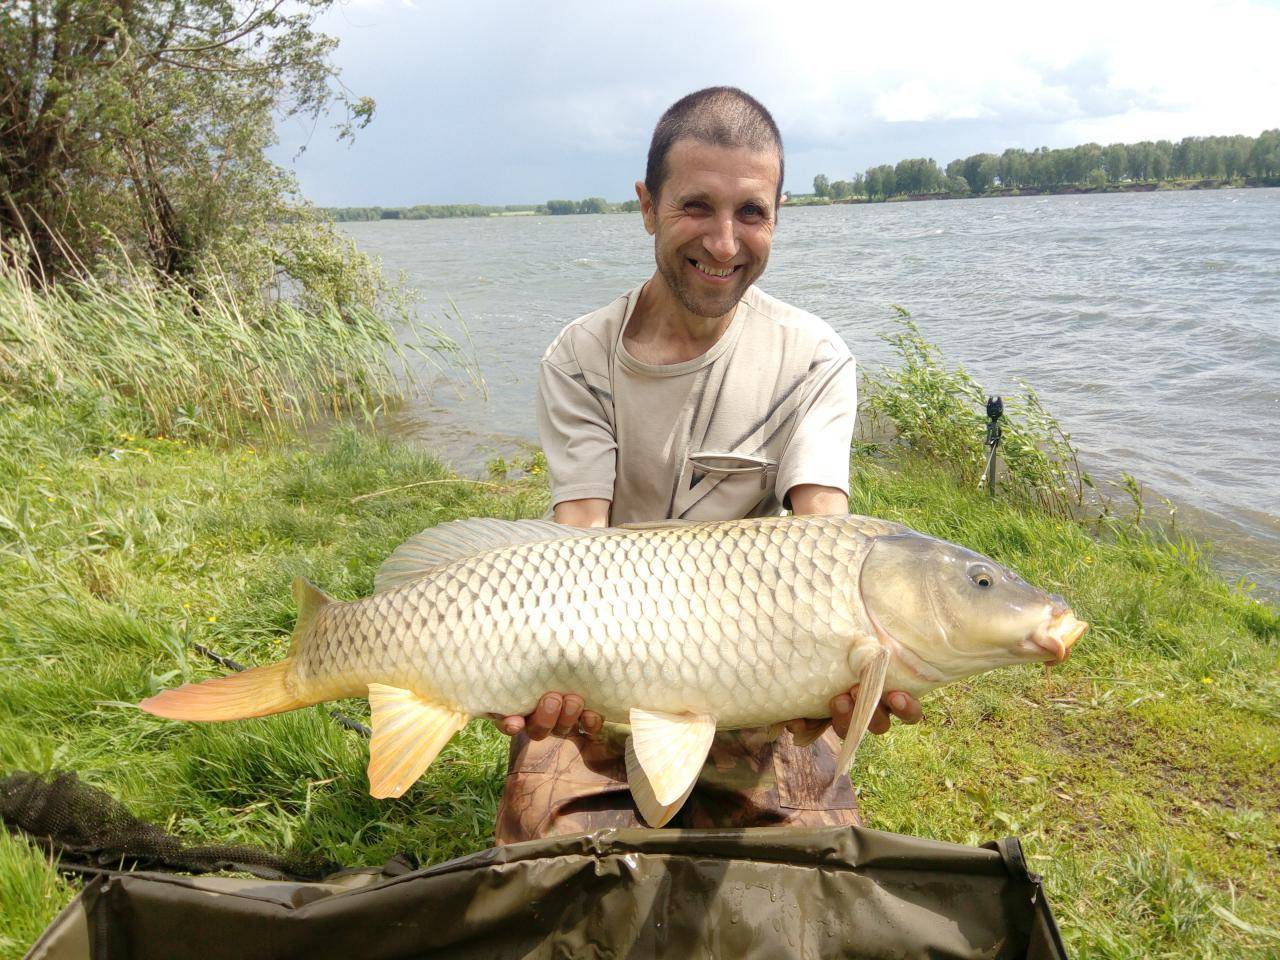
761,893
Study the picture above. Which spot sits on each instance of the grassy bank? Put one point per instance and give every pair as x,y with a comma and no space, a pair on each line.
1142,775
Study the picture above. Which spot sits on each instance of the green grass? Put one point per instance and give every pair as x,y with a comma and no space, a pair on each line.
1141,775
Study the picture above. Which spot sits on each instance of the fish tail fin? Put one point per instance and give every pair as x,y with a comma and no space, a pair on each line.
310,600
257,692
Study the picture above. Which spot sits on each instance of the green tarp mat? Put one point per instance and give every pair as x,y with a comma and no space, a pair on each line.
761,893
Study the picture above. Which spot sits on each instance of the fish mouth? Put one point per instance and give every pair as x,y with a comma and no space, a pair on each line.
1058,636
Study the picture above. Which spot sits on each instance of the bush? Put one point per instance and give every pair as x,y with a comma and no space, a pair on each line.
939,413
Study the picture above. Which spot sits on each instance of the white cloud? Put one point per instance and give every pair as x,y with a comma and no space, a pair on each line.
561,98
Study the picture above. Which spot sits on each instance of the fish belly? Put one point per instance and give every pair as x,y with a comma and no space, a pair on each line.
749,624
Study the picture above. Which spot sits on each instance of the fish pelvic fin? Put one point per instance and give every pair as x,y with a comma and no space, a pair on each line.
409,732
870,689
310,600
257,692
664,756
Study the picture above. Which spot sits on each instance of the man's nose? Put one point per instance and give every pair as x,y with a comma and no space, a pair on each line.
721,240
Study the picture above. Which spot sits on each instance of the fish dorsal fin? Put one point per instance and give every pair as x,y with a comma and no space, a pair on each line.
447,542
665,754
875,527
871,674
658,524
310,600
408,733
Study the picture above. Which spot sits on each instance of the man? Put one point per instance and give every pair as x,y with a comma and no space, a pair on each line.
694,396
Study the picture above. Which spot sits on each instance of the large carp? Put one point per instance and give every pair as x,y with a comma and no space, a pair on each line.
676,628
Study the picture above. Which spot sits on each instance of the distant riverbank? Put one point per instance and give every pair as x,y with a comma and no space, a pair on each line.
1136,186
593,205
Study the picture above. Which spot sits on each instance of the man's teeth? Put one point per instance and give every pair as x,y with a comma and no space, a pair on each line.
712,270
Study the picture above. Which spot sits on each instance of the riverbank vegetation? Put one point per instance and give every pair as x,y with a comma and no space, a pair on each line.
1239,160
134,140
554,208
1140,775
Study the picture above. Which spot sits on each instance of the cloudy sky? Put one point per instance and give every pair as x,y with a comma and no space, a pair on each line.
511,101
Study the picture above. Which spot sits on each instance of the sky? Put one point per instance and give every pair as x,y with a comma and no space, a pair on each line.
495,101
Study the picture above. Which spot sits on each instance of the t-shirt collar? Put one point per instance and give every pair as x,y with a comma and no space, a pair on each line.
713,353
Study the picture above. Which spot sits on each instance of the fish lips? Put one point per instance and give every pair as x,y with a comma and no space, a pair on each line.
1057,637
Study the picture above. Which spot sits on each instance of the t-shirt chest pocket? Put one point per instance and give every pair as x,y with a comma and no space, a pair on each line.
725,484
721,465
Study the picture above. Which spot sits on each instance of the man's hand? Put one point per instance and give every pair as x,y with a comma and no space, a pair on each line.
558,713
901,705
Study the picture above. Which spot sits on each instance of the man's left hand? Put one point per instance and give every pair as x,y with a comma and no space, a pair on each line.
894,704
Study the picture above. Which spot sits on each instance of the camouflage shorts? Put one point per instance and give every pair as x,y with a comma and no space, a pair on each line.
578,784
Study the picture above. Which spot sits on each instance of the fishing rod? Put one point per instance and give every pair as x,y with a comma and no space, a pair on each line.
995,410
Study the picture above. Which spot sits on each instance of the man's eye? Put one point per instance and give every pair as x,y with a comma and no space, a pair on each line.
695,207
753,212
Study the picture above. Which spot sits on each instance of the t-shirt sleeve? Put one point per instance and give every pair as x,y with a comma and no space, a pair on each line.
818,451
577,439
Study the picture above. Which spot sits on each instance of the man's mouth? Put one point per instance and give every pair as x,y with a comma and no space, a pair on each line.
717,272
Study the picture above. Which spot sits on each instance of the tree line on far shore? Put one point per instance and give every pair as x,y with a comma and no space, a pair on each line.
431,211
1086,165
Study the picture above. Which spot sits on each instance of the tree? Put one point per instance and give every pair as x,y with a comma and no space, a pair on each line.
919,175
980,171
594,205
1264,158
559,208
1014,168
1161,159
821,185
145,124
1116,159
840,190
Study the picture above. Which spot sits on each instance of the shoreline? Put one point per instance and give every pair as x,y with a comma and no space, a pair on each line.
1139,186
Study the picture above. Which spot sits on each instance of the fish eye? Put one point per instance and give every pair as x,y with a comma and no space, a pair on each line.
982,576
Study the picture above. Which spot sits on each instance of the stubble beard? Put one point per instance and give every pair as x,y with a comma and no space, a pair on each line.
710,307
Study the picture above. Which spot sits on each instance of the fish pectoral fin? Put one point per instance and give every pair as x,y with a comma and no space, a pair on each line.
870,690
408,733
665,754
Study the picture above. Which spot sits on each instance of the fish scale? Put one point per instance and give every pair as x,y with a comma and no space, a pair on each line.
491,633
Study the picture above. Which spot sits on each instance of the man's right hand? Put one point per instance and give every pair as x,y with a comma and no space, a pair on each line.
556,713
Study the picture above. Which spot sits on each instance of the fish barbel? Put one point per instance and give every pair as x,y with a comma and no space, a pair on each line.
676,628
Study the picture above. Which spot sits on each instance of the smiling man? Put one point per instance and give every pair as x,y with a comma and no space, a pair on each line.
695,396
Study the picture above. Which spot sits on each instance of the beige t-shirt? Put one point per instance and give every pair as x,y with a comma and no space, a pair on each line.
725,435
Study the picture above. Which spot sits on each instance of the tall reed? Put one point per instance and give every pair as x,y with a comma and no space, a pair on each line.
196,360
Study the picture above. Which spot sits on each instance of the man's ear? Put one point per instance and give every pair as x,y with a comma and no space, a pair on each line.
646,207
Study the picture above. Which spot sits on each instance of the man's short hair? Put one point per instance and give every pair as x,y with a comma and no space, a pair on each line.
720,116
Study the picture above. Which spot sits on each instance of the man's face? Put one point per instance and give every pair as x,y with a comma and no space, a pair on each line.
712,222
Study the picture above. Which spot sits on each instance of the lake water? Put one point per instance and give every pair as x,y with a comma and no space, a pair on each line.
1149,323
